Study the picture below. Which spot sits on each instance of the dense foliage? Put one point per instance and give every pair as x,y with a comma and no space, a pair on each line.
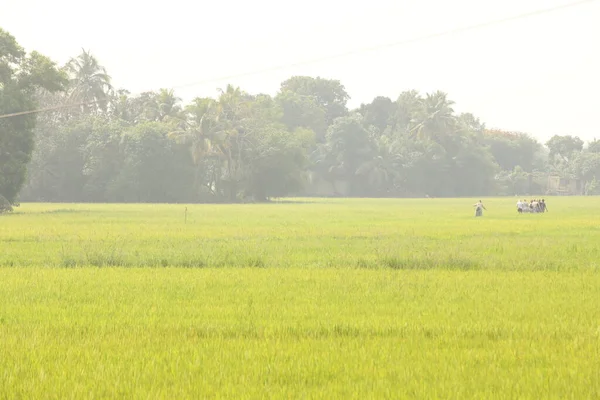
21,76
151,147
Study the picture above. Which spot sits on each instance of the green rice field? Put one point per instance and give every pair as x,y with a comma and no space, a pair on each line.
304,298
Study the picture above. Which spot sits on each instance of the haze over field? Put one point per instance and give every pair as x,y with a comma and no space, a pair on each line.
537,75
314,230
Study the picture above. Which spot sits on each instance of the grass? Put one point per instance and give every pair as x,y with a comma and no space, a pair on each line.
400,234
316,299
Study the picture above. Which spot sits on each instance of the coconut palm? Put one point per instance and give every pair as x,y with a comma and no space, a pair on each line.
164,106
437,119
199,134
89,82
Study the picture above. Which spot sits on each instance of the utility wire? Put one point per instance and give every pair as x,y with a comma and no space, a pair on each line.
394,44
71,105
349,53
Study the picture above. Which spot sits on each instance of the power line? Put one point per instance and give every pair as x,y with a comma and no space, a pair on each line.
51,108
348,53
393,44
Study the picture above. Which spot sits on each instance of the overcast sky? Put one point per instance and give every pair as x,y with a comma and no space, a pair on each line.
538,75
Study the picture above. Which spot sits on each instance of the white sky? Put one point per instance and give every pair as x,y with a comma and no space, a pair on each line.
538,75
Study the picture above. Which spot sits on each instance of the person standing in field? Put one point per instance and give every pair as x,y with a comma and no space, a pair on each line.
479,207
519,206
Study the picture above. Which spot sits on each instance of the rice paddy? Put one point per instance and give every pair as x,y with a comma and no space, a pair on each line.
309,298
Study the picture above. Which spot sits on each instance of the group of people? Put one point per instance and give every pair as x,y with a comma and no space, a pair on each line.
523,206
531,206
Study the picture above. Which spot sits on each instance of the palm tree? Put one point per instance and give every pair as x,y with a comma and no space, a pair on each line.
437,119
200,135
382,170
216,133
89,81
232,136
164,106
201,130
120,104
408,110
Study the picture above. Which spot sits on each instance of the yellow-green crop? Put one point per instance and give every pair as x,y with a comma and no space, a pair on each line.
313,299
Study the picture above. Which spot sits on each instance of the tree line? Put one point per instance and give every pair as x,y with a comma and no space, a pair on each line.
304,140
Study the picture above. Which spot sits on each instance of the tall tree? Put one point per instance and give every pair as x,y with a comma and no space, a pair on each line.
511,149
586,166
349,146
277,161
384,171
89,82
164,106
21,75
437,119
564,147
312,102
594,146
199,134
378,113
408,112
154,169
